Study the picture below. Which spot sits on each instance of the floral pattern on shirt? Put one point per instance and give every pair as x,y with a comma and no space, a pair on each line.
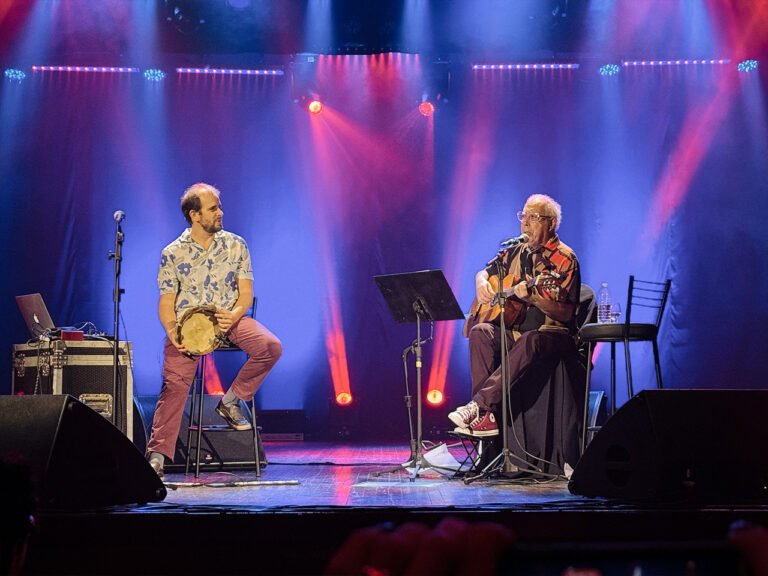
201,277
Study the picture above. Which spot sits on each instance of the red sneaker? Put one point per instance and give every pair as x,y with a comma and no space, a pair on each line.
483,425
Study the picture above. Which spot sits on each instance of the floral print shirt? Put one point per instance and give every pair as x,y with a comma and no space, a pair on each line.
202,277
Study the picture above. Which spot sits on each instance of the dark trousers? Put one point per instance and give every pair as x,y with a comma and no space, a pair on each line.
532,350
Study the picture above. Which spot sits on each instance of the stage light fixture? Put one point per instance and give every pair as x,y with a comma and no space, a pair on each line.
305,90
609,70
154,75
747,66
435,397
528,66
343,398
184,16
677,62
426,108
14,75
88,69
435,88
233,71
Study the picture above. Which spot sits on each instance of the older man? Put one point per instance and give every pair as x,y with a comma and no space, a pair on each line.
544,285
206,265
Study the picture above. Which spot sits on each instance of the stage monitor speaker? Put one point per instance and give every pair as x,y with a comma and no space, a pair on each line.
220,450
686,445
77,457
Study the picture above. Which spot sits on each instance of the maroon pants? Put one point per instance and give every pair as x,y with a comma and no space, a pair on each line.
263,349
531,349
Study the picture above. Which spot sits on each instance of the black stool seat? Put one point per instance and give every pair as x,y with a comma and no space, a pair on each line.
618,332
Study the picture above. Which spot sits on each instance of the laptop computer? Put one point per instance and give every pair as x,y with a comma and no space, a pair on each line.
35,314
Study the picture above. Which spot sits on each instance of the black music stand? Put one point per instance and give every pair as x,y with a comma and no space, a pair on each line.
414,297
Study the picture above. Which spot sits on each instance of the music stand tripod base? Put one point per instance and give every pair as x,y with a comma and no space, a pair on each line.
417,297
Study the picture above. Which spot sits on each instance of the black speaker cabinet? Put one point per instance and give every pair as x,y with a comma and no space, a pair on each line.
667,445
77,458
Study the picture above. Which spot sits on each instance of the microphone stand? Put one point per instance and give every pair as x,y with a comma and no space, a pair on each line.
117,257
503,462
415,349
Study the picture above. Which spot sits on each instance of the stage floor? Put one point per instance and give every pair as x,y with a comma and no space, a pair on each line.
312,496
303,474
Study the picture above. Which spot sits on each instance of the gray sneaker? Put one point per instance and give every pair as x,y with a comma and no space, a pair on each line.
157,466
233,415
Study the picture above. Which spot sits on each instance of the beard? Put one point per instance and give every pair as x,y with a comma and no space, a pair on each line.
212,227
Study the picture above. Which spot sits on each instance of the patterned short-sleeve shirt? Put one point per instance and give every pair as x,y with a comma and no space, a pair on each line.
201,277
556,262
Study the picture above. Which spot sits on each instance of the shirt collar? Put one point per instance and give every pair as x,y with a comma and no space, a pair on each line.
186,237
551,245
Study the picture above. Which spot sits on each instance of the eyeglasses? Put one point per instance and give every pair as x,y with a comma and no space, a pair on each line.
522,216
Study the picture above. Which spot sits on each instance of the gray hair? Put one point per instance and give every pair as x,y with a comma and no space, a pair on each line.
553,208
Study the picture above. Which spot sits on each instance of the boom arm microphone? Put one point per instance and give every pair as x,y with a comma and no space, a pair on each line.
119,216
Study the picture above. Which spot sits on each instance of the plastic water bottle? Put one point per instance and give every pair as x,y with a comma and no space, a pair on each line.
604,304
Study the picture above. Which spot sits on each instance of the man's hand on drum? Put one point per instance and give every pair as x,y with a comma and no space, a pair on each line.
225,319
173,337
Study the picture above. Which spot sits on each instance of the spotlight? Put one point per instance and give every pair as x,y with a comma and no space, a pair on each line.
426,108
435,88
745,66
315,106
184,16
15,75
609,70
435,397
154,75
343,398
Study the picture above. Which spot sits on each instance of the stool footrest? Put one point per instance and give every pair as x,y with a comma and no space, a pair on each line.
220,428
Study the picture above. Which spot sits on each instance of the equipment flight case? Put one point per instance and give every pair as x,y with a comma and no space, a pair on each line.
83,369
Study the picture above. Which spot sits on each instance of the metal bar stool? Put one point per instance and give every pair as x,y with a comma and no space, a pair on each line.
641,293
196,414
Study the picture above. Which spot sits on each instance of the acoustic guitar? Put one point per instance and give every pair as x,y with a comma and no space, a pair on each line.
512,304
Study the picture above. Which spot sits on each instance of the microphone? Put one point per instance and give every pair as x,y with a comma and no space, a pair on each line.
509,243
119,216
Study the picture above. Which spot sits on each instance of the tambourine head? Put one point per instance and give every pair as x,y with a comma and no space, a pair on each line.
199,331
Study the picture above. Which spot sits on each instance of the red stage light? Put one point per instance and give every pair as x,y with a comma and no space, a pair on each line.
435,397
315,106
426,109
343,398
